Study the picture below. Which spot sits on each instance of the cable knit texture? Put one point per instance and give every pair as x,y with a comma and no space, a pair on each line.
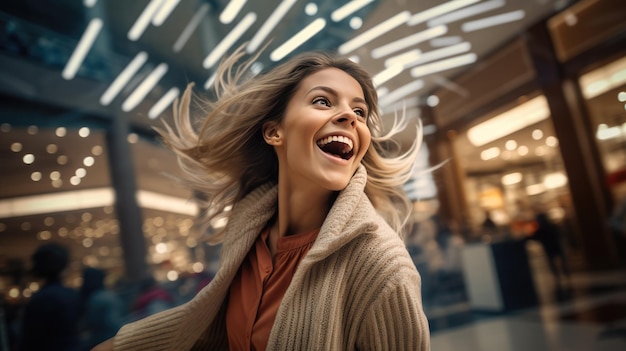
357,288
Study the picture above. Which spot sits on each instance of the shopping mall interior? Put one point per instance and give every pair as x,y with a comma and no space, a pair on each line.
520,104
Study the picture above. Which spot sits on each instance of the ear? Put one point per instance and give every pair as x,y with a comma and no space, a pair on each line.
272,133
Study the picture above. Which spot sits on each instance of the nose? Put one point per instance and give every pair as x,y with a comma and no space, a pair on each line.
346,116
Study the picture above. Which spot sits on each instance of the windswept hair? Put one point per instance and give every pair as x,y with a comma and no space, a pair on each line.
226,157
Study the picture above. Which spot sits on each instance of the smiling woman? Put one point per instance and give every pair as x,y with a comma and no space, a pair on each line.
312,255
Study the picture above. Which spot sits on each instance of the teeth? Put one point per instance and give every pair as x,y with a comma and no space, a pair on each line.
337,138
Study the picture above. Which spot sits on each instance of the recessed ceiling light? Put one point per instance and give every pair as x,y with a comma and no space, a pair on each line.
310,9
16,147
28,159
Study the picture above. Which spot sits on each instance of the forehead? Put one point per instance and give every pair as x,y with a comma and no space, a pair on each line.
334,78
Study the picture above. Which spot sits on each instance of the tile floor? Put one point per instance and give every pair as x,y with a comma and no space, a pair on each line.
588,315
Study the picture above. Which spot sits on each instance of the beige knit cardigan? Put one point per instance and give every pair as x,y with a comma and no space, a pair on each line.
356,289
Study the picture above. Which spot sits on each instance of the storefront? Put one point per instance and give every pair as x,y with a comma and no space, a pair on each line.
540,127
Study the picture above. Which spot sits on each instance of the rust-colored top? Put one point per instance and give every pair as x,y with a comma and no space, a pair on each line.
258,288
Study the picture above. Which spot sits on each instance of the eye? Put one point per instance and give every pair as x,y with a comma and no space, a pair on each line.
321,101
361,113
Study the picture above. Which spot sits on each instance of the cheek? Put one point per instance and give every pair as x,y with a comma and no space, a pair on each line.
366,138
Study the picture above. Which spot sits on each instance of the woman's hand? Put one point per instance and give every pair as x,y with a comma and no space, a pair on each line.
105,345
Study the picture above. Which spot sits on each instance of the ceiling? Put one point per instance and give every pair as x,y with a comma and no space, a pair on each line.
38,38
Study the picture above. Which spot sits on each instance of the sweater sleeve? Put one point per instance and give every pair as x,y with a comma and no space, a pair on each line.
170,330
156,332
396,321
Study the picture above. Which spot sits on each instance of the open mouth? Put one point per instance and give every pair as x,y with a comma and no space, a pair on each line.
337,146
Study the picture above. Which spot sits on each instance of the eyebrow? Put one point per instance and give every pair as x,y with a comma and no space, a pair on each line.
334,92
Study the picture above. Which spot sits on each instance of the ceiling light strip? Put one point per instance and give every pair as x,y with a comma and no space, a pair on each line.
167,203
229,40
140,93
439,54
209,82
445,41
90,198
164,12
123,78
424,70
298,39
401,92
271,22
374,32
439,10
82,48
466,12
190,27
163,103
508,122
348,9
89,3
56,202
407,41
404,58
231,11
387,74
493,21
142,22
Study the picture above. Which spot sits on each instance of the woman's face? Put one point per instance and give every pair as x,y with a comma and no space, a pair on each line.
323,135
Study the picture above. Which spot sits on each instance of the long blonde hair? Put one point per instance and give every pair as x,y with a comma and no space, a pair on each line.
226,157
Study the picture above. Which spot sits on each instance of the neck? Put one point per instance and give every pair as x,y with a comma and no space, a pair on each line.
301,210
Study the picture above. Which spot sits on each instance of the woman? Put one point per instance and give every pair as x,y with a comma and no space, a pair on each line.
307,260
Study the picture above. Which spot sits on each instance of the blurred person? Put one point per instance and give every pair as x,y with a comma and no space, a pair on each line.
548,235
152,298
489,226
101,309
312,254
50,318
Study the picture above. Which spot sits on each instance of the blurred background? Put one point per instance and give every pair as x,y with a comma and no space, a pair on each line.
519,194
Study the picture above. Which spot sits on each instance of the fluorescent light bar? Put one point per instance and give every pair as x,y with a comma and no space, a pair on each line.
348,9
445,41
410,40
603,79
386,74
271,22
382,91
466,12
90,198
493,21
374,32
403,58
89,3
84,45
209,82
140,93
298,39
190,27
231,10
517,118
440,53
161,202
406,104
511,178
437,11
163,102
56,202
164,12
123,78
401,92
229,40
443,65
142,22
